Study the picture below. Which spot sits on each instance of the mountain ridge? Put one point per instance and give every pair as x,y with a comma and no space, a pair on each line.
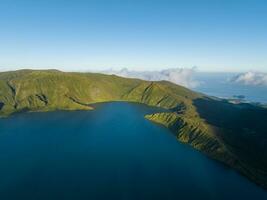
232,134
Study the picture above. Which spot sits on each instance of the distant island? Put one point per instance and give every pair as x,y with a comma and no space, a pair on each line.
234,134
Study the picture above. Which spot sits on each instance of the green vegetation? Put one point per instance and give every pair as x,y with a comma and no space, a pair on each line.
51,89
233,134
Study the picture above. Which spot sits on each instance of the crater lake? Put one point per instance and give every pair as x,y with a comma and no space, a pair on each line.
112,152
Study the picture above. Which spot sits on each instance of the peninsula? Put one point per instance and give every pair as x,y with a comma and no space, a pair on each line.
234,134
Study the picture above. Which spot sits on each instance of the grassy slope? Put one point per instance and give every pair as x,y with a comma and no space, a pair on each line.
49,90
233,134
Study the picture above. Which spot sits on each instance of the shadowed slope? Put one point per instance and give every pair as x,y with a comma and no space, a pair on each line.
233,134
243,130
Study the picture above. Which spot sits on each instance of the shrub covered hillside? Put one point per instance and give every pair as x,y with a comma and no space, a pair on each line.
233,134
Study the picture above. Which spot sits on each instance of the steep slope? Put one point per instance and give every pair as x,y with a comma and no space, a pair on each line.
51,89
233,134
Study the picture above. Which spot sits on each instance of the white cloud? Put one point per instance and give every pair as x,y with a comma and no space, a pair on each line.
251,78
180,76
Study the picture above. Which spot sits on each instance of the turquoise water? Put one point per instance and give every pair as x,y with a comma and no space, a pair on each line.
109,153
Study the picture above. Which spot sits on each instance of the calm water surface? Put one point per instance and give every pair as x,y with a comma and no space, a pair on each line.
219,85
109,153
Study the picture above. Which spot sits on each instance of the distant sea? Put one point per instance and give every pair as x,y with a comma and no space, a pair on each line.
219,85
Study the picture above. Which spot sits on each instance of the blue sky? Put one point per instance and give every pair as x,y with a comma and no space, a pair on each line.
214,35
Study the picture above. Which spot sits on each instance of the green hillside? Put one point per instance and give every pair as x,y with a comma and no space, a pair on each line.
233,134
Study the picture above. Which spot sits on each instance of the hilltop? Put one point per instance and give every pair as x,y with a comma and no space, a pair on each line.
233,134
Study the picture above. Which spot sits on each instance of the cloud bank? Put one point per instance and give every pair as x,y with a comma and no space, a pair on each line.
251,78
180,76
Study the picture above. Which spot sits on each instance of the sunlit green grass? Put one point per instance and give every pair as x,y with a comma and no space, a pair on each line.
233,134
